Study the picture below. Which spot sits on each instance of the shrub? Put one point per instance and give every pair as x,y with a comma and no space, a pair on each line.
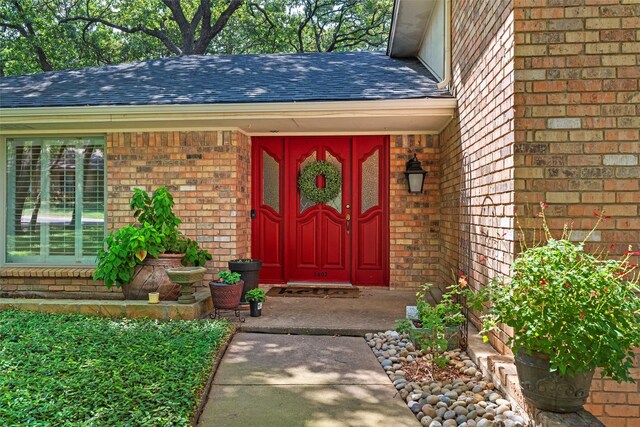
579,308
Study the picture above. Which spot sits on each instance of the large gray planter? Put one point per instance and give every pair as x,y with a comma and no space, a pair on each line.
550,391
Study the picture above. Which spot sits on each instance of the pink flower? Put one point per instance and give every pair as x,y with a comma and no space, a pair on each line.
543,205
482,260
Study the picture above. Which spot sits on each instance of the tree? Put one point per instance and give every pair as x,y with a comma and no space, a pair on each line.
179,34
45,35
268,26
35,36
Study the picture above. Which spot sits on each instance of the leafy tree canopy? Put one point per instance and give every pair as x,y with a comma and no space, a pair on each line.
46,35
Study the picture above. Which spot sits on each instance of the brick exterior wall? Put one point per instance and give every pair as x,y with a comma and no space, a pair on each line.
414,218
476,217
208,174
577,131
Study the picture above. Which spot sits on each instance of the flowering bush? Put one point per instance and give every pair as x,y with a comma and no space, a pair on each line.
579,308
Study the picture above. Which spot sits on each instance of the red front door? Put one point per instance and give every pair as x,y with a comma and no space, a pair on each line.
342,241
317,234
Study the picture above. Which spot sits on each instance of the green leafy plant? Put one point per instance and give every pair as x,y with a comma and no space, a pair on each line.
434,323
155,232
228,277
579,308
255,295
127,247
74,370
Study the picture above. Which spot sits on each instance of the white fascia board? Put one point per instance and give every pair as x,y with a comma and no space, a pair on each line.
114,114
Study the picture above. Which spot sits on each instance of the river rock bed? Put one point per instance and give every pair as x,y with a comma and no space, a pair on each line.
459,397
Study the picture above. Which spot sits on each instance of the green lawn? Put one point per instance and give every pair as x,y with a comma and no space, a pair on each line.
88,371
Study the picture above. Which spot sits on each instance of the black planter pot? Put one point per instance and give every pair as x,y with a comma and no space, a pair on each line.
550,391
250,273
255,308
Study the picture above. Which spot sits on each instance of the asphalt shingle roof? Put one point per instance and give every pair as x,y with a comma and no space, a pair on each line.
220,79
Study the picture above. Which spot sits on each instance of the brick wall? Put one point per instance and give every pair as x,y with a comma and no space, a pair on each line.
577,72
208,174
476,222
414,218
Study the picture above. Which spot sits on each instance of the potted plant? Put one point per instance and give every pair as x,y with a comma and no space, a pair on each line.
136,255
255,298
571,312
249,270
226,291
440,321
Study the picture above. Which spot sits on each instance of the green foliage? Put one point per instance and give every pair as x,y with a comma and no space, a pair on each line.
447,312
255,295
86,371
126,248
44,35
36,36
332,177
579,308
228,277
268,26
156,232
435,322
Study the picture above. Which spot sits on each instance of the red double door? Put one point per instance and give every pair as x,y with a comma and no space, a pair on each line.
344,240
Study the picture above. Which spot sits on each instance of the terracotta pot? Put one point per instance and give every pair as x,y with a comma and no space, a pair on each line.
226,296
150,276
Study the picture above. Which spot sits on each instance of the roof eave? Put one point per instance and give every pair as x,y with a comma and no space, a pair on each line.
257,118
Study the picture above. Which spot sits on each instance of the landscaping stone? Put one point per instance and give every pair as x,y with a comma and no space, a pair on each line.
469,401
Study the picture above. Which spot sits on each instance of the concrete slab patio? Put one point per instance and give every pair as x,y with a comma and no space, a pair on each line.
374,310
298,380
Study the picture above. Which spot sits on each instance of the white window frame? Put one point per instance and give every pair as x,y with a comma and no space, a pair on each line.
80,261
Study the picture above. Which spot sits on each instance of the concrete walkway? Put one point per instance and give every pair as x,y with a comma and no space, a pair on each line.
375,310
299,380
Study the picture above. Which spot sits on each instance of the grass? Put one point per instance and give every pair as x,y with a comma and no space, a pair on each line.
75,370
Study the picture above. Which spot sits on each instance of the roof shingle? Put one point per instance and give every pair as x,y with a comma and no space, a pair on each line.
220,79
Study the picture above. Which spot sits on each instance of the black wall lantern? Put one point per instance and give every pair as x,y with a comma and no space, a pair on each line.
415,175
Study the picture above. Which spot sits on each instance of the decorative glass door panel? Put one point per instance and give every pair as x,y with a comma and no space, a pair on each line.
267,231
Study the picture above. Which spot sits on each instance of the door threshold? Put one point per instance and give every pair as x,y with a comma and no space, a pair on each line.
321,284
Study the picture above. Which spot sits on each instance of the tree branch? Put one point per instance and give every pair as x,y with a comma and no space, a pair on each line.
207,34
159,34
30,33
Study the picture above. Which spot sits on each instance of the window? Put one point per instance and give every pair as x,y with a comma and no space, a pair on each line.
55,200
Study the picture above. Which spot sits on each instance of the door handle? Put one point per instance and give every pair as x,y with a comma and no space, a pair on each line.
348,217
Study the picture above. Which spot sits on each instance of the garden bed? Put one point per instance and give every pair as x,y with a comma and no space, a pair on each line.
79,370
456,395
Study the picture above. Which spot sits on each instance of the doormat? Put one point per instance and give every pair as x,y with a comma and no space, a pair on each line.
313,292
